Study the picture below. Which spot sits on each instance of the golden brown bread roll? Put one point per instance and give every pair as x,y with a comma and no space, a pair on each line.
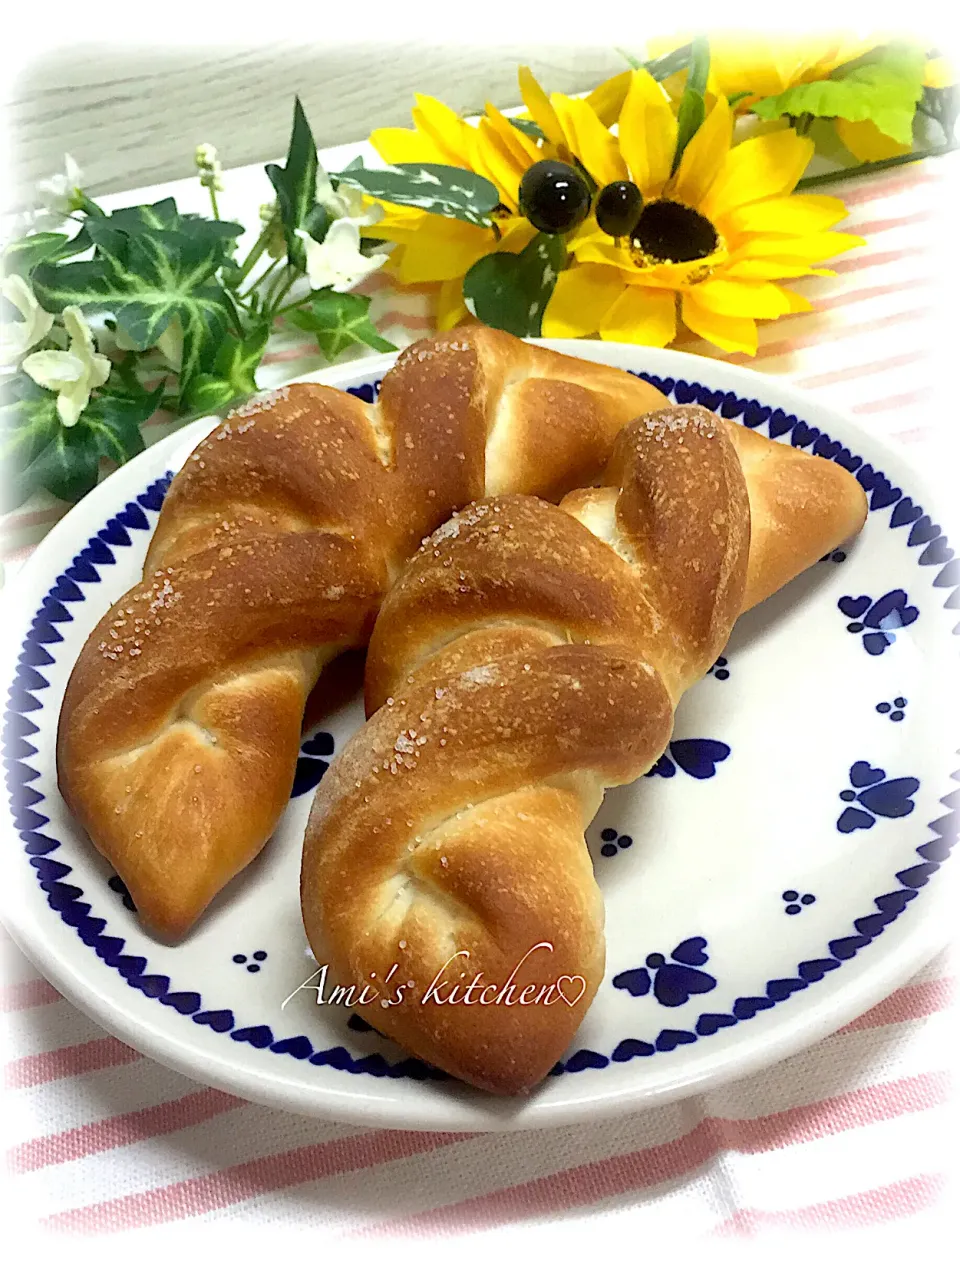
528,657
180,725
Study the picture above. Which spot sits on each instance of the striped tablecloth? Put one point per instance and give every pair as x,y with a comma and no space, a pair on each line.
849,1134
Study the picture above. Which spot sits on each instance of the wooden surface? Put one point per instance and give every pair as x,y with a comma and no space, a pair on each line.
132,116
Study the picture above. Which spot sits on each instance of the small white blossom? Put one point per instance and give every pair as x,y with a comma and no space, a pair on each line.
60,192
337,262
73,373
207,162
276,244
19,336
346,201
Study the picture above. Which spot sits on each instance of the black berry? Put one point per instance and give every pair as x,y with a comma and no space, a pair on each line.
618,208
554,197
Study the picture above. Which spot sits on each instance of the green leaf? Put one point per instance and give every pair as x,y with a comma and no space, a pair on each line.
108,232
233,372
692,110
338,321
146,282
296,185
884,86
670,63
21,256
38,452
435,188
529,127
511,290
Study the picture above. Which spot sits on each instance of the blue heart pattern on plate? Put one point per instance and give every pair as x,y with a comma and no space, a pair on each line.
672,984
879,795
697,757
878,620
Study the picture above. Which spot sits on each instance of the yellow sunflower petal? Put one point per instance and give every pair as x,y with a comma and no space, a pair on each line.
815,248
499,163
774,269
729,333
405,146
795,214
538,104
445,255
438,122
580,299
866,142
451,308
770,165
648,134
589,140
523,149
759,299
515,234
607,98
703,157
646,316
938,74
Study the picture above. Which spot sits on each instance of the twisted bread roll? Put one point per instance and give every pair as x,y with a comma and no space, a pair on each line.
528,657
180,725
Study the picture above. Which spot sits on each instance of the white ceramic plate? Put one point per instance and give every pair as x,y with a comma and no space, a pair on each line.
765,885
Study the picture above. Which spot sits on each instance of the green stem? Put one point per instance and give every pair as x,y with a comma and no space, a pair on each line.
84,204
872,166
213,202
252,257
259,281
282,287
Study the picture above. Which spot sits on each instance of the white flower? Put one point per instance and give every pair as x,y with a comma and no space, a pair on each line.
211,173
74,373
345,202
170,343
18,336
59,192
337,262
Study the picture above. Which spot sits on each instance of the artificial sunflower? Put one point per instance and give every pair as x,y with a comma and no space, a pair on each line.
715,235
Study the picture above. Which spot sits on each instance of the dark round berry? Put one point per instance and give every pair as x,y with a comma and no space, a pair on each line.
654,960
608,833
259,955
793,910
848,795
625,842
899,702
618,208
554,197
883,707
238,959
608,850
807,899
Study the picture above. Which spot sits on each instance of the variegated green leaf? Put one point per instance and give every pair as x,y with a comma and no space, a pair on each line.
296,188
233,372
511,290
339,321
21,256
435,188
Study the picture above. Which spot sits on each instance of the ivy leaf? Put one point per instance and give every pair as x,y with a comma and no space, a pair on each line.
146,282
233,372
21,256
511,290
691,112
529,127
296,188
39,452
884,86
338,321
435,188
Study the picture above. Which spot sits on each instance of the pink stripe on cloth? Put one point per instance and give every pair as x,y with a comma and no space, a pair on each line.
921,395
881,190
850,297
121,1131
865,261
27,995
212,1191
72,1060
863,1209
877,225
638,1170
906,1004
852,372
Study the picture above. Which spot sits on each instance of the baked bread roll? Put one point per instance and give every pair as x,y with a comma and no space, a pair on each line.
180,725
528,657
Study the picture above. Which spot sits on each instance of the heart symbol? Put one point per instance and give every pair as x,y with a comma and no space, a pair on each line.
891,611
374,1064
699,756
108,949
934,851
802,435
669,1039
916,877
115,534
75,914
923,531
813,970
628,1049
755,413
574,978
852,819
780,423
732,406
54,611
863,775
218,1020
884,494
307,776
153,985
711,399
876,642
636,981
948,576
297,1046
664,768
938,552
709,1024
748,1006
691,951
67,590
90,929
81,571
98,552
43,633
893,903
321,744
132,967
675,984
904,513
853,606
890,798
684,393
871,926
182,1001
826,448
584,1059
782,988
132,516
847,460
259,1037
844,948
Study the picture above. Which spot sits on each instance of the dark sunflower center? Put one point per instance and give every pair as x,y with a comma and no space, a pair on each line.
671,232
